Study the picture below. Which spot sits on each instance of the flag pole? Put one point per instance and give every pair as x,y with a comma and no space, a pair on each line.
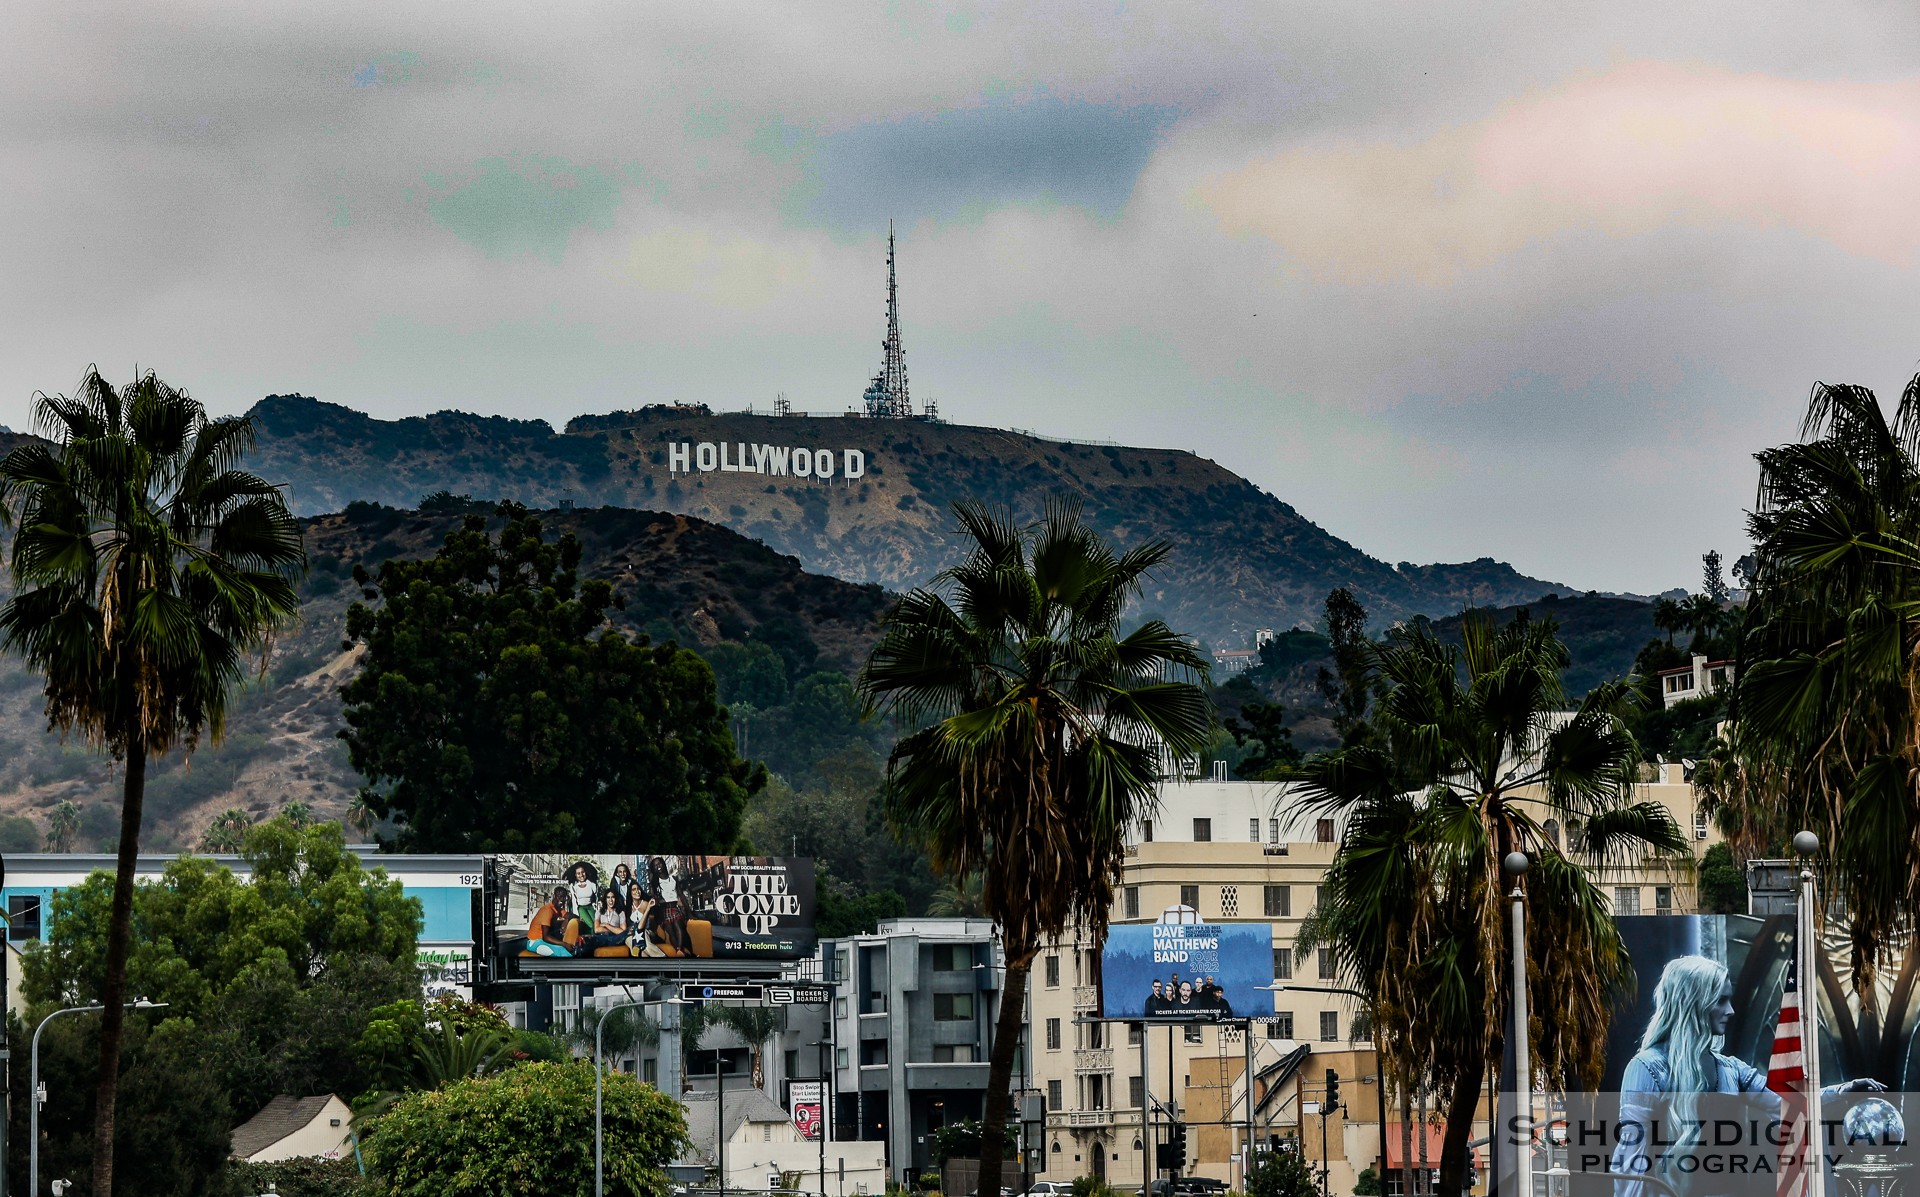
1806,844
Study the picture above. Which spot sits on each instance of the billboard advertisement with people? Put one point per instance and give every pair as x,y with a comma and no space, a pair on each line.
1187,971
624,911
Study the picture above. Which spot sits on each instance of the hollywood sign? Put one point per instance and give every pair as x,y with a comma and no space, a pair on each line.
781,461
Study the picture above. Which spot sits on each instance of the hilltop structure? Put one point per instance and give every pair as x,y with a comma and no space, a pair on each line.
887,396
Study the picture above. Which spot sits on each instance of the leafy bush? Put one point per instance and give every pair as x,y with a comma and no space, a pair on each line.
526,1130
1281,1174
1723,887
296,1178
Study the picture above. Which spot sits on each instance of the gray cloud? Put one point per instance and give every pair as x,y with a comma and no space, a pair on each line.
607,205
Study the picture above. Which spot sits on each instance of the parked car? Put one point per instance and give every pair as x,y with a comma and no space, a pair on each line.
1049,1188
1187,1186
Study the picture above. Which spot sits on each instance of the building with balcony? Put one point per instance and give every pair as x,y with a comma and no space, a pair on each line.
1700,678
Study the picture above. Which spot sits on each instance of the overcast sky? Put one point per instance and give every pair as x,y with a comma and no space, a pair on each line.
1531,281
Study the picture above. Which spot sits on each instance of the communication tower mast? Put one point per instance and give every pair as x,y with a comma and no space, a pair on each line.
887,397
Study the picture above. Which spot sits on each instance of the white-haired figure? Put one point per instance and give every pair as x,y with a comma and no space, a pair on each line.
1678,1061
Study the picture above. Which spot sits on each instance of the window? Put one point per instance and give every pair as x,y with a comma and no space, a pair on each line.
952,957
1135,1031
1282,1026
1323,831
1319,896
1283,964
1279,901
1553,832
1053,972
1663,899
1096,1035
1097,1092
1054,1100
1130,897
840,1057
1053,1034
839,1007
952,1007
1253,830
793,1063
650,1071
1203,831
1146,831
873,1052
1229,901
1136,1091
1193,1033
953,1053
1190,896
1626,899
1699,825
1273,831
23,916
1326,964
1329,1026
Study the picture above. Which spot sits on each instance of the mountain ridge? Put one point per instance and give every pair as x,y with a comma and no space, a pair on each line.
1242,558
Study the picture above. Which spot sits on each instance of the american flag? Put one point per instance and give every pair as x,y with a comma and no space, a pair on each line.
1787,1076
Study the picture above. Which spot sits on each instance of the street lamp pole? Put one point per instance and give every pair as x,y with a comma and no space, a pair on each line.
33,1095
599,1030
1515,866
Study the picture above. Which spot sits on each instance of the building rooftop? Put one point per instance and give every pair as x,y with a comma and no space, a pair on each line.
285,1115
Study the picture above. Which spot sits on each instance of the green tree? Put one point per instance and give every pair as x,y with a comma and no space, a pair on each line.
1478,752
493,709
1345,686
752,673
279,974
227,832
1668,617
18,834
1281,1174
528,1129
1040,729
172,1134
1723,884
1261,729
147,569
755,1025
1367,1184
62,825
423,1045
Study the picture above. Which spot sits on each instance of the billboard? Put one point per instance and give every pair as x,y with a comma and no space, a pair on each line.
1705,1087
1186,971
630,911
806,1101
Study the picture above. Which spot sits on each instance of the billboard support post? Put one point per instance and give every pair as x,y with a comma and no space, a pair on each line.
1515,866
1806,844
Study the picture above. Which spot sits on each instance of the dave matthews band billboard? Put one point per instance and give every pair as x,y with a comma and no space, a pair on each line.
1186,971
625,911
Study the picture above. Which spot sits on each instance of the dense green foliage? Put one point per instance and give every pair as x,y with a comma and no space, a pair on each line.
527,1130
962,1140
279,974
172,1110
1281,1174
295,1178
1723,884
494,710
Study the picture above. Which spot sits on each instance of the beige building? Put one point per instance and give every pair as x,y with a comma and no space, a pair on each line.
1230,851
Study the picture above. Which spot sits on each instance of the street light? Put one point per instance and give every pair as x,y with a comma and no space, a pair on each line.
599,1029
33,1108
1515,866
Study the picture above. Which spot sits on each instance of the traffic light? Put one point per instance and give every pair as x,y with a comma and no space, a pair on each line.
1333,1093
1179,1145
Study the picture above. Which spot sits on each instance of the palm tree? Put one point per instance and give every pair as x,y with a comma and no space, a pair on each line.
1668,617
298,813
1702,616
147,568
360,816
1830,662
625,1028
227,832
958,897
755,1025
1040,732
1479,751
62,825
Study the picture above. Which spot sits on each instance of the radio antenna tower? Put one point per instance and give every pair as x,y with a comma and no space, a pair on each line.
887,397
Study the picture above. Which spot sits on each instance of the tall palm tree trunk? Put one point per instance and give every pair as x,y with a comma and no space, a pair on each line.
1453,1148
113,994
1406,1144
1006,1042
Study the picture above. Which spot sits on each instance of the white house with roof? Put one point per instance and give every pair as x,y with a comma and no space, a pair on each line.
291,1128
1699,679
762,1142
